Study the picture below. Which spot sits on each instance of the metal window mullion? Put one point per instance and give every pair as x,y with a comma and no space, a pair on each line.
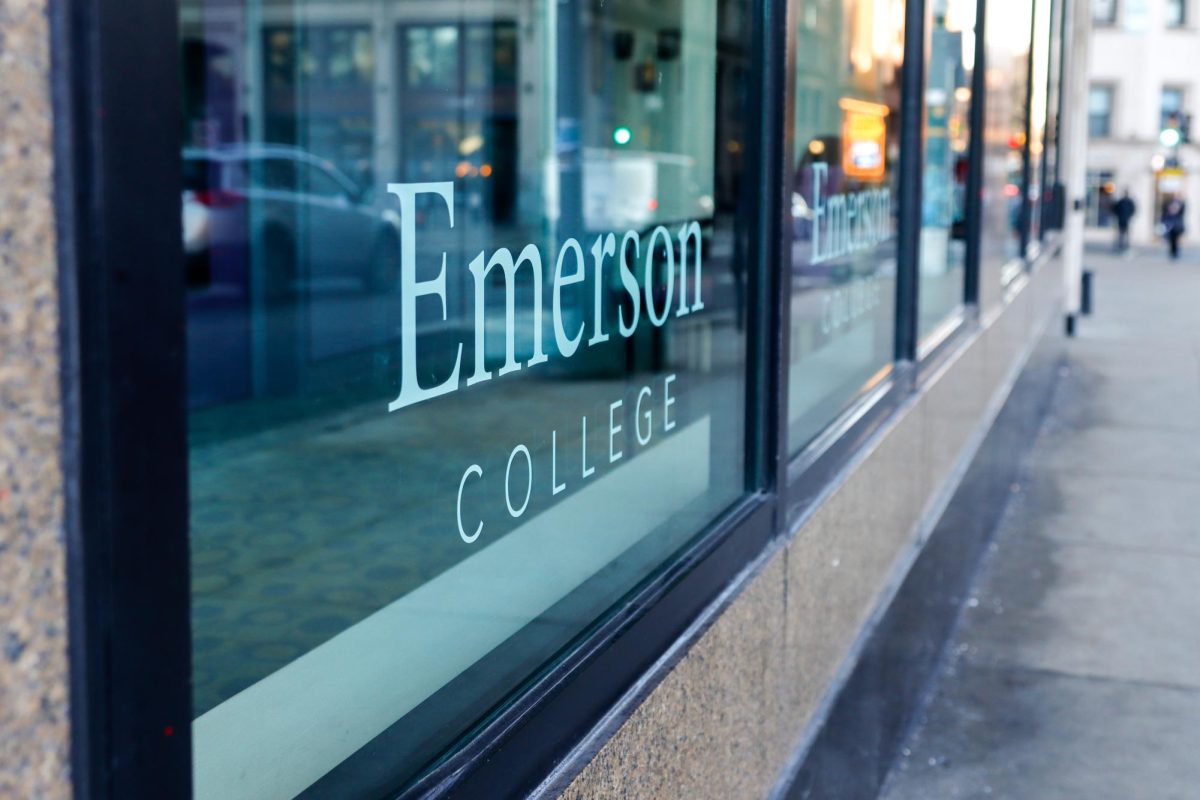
975,153
782,56
912,92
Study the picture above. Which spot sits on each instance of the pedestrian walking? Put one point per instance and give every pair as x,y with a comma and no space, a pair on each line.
1123,211
1172,224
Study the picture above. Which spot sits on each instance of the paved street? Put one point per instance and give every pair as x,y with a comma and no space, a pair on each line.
1075,672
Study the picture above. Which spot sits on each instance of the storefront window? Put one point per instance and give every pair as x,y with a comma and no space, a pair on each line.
1008,27
1038,115
950,61
1052,195
466,352
843,210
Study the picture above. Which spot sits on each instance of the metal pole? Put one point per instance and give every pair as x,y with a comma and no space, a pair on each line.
1076,38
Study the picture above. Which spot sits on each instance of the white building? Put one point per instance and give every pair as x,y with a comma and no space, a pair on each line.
1145,76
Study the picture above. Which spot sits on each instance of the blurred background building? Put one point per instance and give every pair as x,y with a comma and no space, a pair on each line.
1141,108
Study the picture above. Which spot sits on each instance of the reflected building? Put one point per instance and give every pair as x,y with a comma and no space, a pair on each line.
1143,82
542,142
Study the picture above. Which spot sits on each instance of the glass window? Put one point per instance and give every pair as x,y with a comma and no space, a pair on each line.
491,56
1171,105
843,218
431,56
440,428
1008,28
1038,114
277,174
1101,191
1176,13
1052,192
1100,108
950,61
1104,12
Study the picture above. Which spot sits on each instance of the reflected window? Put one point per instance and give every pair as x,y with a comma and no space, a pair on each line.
1175,13
950,51
1006,173
843,214
1100,109
431,57
1101,191
1104,12
1171,107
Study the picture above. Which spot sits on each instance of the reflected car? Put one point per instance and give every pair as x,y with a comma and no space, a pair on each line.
297,217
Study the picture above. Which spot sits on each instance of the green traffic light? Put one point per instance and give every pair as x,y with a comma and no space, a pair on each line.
622,135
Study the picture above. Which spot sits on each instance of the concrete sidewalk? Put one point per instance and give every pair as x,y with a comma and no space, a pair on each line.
1075,672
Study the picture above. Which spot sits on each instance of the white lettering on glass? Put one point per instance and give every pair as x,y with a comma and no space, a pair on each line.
668,401
503,258
411,288
847,223
629,281
523,450
613,430
555,486
643,393
477,471
655,319
604,246
647,426
587,471
567,345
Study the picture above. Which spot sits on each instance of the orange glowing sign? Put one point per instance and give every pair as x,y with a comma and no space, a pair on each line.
864,139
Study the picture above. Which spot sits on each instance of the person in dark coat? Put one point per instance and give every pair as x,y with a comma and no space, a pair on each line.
1172,222
1123,210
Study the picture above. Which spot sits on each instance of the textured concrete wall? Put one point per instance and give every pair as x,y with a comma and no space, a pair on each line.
34,745
724,721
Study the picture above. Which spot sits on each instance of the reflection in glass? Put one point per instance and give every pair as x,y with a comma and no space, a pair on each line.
1008,28
466,358
950,62
843,262
1038,115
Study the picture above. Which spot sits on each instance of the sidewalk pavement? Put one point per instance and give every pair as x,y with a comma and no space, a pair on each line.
1075,671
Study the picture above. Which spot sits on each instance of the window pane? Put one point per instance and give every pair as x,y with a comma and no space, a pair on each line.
1104,12
844,165
1100,191
1176,13
1037,117
431,56
950,62
1100,111
1003,216
442,426
1172,107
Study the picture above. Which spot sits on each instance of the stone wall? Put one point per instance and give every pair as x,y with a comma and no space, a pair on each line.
34,726
724,720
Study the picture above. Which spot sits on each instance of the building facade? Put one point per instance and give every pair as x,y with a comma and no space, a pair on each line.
1137,92
525,398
